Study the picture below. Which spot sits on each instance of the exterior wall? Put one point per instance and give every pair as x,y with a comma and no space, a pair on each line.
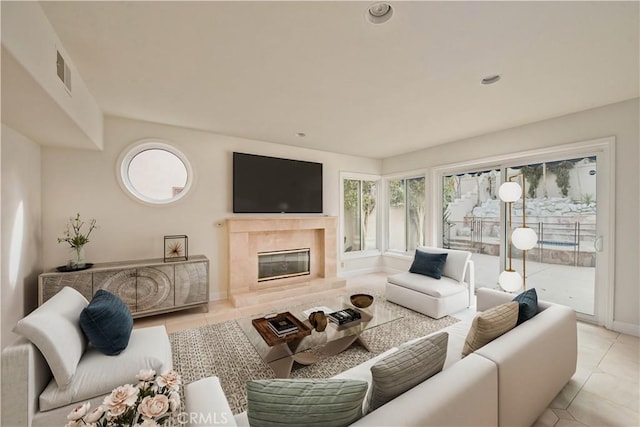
619,120
85,182
21,228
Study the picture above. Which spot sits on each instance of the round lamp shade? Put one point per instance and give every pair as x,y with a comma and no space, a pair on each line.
510,191
524,238
510,280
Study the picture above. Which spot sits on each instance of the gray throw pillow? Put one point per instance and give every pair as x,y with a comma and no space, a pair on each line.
406,368
305,402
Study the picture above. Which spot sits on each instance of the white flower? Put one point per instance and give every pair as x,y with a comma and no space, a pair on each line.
169,379
121,398
146,375
74,423
79,411
94,415
174,401
148,423
153,407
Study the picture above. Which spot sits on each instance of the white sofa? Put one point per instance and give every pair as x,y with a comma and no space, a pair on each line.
27,378
508,382
436,297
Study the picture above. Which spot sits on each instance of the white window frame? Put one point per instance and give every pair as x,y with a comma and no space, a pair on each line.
129,153
422,173
379,197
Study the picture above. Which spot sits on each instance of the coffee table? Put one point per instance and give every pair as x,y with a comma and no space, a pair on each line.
333,340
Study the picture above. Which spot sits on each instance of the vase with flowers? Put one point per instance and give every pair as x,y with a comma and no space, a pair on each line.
150,403
75,237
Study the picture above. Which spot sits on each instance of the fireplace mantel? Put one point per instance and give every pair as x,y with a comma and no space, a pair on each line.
250,235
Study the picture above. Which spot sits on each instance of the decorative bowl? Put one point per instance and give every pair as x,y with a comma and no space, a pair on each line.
318,320
361,300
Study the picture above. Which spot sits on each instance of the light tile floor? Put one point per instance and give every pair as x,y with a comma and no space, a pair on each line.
603,392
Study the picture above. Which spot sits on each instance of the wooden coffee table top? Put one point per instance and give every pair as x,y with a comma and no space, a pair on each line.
262,326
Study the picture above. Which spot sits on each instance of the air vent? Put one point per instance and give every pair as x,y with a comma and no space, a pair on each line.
64,73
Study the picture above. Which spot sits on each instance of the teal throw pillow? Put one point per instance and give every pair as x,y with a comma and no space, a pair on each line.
428,264
527,305
107,323
305,402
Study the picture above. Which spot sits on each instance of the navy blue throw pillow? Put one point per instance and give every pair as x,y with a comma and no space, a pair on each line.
107,323
527,305
428,264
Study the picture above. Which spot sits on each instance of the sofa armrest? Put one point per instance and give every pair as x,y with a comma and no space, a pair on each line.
466,394
206,404
535,360
25,374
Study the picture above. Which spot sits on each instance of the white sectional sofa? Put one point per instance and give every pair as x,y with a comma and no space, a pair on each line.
436,297
508,382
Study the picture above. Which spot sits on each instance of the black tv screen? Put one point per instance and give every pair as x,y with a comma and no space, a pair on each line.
272,185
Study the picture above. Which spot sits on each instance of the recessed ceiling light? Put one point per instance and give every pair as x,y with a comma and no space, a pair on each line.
379,13
489,80
301,134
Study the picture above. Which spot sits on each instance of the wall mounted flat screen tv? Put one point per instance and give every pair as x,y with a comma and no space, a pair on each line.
272,185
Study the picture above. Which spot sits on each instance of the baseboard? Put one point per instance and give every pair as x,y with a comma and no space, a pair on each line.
391,270
359,272
626,328
218,296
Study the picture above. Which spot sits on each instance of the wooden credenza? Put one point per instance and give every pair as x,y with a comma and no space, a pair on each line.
146,286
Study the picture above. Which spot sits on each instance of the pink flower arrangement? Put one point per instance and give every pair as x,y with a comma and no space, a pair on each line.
149,403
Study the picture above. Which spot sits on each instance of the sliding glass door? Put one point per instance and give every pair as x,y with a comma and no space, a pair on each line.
561,200
569,201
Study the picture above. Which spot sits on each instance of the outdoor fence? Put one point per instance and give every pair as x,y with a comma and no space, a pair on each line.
566,243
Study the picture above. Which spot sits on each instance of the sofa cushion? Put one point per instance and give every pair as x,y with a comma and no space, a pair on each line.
427,285
98,374
527,305
489,325
54,328
297,402
428,264
409,366
107,323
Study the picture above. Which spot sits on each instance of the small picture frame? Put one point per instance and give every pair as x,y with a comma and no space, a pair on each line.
176,248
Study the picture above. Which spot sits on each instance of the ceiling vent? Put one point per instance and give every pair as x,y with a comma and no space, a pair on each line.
63,71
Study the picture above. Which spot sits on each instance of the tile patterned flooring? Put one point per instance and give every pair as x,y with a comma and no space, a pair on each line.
603,392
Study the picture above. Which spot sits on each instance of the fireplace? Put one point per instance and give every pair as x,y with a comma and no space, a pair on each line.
251,238
282,264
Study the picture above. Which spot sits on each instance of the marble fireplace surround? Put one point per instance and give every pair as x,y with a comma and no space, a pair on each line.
250,235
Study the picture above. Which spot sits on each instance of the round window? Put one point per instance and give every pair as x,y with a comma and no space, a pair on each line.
155,172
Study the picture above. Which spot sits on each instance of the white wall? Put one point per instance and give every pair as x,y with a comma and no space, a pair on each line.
22,236
85,182
29,37
620,120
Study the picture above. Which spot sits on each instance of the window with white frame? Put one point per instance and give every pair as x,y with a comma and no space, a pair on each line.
406,213
360,213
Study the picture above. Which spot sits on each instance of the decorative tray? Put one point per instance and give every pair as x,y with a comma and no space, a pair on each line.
67,269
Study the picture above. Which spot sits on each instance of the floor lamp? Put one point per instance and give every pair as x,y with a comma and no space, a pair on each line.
523,238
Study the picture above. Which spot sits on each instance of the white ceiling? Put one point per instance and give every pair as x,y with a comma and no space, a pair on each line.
267,70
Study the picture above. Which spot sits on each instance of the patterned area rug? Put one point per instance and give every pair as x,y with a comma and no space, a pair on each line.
224,351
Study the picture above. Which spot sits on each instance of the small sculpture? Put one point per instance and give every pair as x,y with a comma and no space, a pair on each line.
318,320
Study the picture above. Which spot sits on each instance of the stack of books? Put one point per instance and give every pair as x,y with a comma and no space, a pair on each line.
342,317
282,327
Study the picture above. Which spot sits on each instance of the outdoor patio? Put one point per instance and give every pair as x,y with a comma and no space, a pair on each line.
562,284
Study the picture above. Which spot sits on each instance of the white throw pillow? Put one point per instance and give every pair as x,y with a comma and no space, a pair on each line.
54,328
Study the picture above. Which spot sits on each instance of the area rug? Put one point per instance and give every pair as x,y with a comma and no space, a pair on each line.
223,350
